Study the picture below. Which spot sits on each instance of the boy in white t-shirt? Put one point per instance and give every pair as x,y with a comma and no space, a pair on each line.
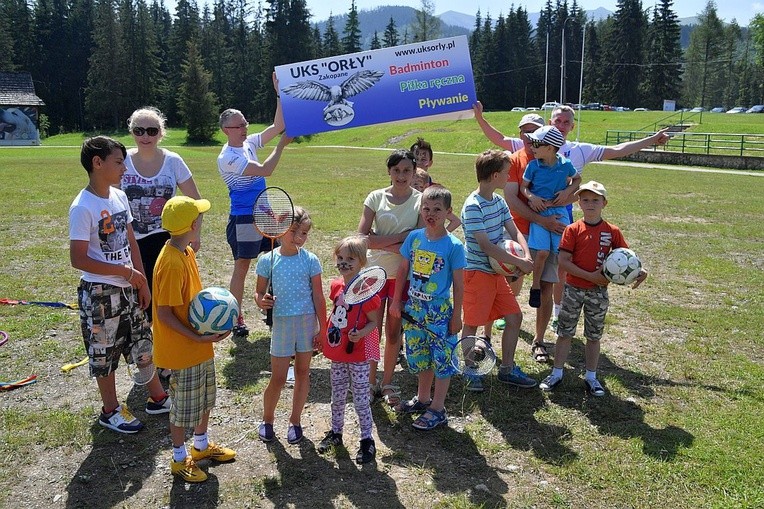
113,292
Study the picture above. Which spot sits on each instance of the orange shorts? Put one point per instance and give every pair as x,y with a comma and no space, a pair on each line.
388,291
487,297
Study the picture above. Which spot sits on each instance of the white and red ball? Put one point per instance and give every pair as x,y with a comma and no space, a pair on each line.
214,310
622,266
511,247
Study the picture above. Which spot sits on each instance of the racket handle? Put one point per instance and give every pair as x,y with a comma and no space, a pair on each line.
269,317
350,346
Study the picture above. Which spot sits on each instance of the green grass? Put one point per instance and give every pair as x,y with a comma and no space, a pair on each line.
681,358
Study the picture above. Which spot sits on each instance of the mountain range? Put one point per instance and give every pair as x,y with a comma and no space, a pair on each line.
452,23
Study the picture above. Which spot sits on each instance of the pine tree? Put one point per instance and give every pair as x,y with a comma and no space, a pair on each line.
705,58
351,35
426,25
104,102
375,43
185,29
624,53
197,104
331,43
390,37
662,77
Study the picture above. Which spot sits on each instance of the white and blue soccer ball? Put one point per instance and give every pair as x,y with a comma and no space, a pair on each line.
622,266
214,310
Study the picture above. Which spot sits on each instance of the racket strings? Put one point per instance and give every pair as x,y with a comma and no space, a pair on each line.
273,212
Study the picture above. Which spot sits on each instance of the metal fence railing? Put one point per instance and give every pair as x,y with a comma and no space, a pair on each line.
699,143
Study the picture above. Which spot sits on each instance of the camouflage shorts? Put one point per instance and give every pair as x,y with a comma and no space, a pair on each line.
594,301
111,321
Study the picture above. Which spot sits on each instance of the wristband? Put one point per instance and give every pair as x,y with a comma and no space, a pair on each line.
131,274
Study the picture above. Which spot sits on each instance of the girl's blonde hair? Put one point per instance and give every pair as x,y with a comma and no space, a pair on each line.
148,112
356,246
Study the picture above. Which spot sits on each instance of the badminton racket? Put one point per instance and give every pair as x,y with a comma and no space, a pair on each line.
473,356
274,215
140,363
361,288
419,324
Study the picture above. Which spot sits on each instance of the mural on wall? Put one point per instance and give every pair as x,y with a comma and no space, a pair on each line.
18,126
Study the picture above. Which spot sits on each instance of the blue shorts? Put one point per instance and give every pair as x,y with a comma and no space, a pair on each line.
541,239
433,349
244,239
293,334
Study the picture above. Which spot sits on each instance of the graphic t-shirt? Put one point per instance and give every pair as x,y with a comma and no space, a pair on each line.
343,319
242,189
590,245
147,195
102,222
431,264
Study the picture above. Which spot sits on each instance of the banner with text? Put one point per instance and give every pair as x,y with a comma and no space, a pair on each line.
429,80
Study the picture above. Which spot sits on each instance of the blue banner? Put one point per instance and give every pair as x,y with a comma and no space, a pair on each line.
429,80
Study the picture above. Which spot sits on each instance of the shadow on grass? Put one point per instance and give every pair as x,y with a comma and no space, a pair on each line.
310,480
119,464
620,417
250,361
447,458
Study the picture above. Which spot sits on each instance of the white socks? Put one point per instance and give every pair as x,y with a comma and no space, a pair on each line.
179,453
200,441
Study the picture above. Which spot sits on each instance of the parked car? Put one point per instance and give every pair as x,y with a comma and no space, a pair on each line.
622,108
641,109
550,105
697,109
759,108
592,106
517,108
531,109
737,109
718,109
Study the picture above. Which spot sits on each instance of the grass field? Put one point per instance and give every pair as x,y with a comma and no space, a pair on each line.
682,356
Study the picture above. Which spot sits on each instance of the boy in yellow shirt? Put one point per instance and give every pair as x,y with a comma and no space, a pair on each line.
178,346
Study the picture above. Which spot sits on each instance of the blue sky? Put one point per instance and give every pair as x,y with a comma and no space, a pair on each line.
742,10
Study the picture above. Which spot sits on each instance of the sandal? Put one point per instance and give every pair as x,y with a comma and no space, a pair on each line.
391,394
412,406
431,419
539,353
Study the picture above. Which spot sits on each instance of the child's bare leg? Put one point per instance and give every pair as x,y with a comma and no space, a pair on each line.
392,347
201,428
301,385
539,260
509,339
592,355
156,391
279,368
108,389
561,351
424,386
439,397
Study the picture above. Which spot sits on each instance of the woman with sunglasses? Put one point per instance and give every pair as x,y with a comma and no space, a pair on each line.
153,174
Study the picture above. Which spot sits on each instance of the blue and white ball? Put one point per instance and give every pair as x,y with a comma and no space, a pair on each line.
622,266
214,310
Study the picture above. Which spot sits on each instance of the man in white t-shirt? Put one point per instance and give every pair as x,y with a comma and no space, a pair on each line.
245,178
580,154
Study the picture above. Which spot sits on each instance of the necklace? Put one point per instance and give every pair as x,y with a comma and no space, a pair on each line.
89,187
182,249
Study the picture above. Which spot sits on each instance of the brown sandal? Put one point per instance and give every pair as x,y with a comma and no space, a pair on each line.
539,353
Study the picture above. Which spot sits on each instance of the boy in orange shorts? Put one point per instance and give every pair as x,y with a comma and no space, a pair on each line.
487,296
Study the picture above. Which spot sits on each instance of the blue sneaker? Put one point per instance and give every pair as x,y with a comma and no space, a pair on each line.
120,420
474,383
515,376
294,434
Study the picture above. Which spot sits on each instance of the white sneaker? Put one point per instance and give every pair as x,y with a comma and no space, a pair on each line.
121,421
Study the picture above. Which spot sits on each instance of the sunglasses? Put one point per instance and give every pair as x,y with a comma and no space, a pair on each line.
140,131
537,144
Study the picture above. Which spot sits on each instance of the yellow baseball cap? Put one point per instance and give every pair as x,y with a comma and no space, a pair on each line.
594,187
180,212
